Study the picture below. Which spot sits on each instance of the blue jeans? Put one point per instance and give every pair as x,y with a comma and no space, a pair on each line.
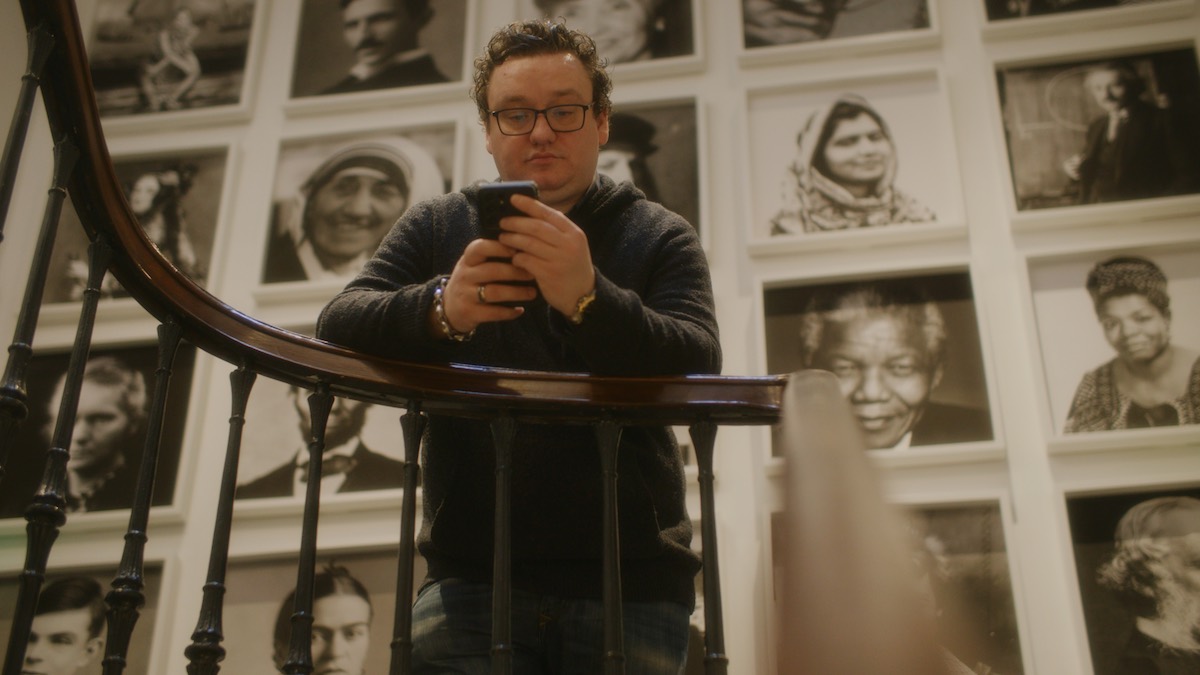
452,627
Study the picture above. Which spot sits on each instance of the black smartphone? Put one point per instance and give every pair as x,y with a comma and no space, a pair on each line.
495,203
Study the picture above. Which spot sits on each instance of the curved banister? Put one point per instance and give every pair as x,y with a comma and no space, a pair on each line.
235,337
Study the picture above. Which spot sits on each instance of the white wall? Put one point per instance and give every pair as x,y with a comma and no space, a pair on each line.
1028,469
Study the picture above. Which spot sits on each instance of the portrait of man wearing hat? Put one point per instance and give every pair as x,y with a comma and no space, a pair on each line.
340,212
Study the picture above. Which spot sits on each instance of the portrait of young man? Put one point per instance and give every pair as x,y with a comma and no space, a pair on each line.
1136,556
352,46
69,632
620,287
150,57
109,434
1103,130
176,199
906,352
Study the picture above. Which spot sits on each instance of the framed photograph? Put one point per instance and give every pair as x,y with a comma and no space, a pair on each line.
72,602
1105,316
1136,570
655,145
258,608
177,200
1006,10
364,446
1102,130
831,163
110,429
374,45
630,35
960,564
906,350
780,30
152,57
315,198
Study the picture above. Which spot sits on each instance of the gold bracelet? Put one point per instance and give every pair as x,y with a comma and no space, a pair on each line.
580,305
439,311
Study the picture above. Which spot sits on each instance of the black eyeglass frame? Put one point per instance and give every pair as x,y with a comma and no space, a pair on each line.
544,113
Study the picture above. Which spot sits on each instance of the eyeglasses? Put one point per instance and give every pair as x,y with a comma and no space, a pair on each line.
520,121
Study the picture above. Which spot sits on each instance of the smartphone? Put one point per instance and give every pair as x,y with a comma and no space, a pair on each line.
495,203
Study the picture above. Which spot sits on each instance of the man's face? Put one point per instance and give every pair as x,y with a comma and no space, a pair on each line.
1179,576
341,634
562,163
883,370
619,27
377,30
102,427
616,164
59,643
345,422
1109,89
349,215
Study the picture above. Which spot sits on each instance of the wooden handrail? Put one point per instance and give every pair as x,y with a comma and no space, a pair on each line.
281,354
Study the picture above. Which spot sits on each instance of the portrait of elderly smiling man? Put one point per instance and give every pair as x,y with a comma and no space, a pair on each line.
886,342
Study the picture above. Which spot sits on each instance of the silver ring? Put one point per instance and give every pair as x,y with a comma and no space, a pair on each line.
481,294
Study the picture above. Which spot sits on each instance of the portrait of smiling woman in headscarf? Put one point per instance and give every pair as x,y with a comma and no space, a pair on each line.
842,176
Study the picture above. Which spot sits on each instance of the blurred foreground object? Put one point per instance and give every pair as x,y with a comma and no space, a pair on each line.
847,603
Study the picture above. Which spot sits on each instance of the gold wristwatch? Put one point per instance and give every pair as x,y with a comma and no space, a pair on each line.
581,306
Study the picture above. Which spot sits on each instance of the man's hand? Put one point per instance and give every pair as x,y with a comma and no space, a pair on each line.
465,305
553,250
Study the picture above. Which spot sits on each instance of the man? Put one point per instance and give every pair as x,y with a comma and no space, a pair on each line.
346,206
622,289
1155,569
1134,150
347,465
885,341
341,629
624,30
65,634
630,143
109,432
383,35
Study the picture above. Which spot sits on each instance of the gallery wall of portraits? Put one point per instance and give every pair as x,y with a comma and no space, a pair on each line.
982,216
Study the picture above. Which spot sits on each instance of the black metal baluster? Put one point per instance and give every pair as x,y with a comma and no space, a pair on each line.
126,596
413,423
299,661
608,433
41,43
504,429
206,653
13,398
47,512
704,435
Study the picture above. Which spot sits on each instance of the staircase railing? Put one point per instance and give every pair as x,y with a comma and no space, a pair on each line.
83,168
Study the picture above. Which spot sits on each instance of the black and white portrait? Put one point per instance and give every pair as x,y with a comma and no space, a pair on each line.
353,597
107,444
69,631
163,55
906,352
335,198
767,23
363,449
349,46
625,31
1119,333
1016,9
177,201
654,145
1102,130
878,155
1137,556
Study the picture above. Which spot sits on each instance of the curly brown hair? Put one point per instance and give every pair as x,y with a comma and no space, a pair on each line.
540,36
